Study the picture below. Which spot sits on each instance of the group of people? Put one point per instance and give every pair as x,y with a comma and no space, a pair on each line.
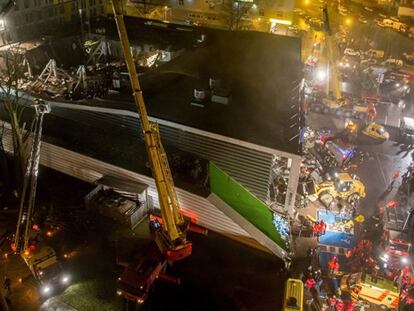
319,228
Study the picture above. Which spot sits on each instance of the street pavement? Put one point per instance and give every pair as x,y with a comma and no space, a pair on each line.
54,304
367,36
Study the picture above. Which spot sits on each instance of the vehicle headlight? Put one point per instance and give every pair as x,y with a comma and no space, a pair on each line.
118,292
140,300
404,260
65,279
46,289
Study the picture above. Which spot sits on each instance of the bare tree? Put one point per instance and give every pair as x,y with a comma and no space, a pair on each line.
237,11
11,72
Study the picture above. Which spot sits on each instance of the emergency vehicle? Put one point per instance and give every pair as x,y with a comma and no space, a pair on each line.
293,299
396,254
369,290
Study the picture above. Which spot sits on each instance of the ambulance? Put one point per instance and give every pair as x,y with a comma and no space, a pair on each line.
369,290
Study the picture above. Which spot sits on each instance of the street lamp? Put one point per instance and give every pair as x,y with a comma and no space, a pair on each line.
348,21
307,2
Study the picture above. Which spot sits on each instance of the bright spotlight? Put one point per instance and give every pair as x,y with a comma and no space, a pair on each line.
321,75
46,289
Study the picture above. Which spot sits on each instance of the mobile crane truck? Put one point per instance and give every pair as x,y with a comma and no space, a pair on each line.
169,232
40,258
332,100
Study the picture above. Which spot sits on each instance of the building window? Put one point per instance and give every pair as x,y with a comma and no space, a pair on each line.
39,15
26,4
61,9
50,12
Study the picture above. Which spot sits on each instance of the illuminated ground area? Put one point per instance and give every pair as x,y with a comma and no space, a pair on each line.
220,275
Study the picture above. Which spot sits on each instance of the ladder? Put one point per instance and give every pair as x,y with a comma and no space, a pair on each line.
28,195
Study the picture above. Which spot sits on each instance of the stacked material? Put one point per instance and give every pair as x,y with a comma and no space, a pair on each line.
112,205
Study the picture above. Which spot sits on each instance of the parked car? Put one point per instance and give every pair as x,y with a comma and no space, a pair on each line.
374,53
363,20
408,57
392,62
368,62
380,24
352,52
343,12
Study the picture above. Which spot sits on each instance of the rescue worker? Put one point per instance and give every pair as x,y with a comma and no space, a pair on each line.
394,177
7,284
322,227
332,301
310,283
315,229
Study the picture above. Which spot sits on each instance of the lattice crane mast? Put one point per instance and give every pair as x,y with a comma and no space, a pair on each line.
28,195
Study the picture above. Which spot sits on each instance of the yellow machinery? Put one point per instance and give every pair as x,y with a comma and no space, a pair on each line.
293,298
373,130
333,84
344,187
370,290
171,237
376,131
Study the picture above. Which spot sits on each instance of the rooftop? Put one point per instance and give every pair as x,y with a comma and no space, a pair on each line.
259,71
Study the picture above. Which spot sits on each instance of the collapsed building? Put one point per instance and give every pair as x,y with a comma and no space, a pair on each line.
227,106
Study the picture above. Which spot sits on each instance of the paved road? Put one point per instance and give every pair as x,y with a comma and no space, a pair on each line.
367,36
380,161
54,304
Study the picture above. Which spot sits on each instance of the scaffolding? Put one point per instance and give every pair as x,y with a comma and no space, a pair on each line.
81,78
102,50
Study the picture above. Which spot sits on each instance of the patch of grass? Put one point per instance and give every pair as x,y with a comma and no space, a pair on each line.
96,294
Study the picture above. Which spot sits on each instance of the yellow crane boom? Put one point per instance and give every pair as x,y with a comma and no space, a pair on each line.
172,238
332,55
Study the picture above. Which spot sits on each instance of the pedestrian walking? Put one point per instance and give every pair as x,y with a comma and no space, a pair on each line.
394,177
7,284
354,211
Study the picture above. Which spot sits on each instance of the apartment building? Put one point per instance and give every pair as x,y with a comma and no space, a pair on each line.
32,18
